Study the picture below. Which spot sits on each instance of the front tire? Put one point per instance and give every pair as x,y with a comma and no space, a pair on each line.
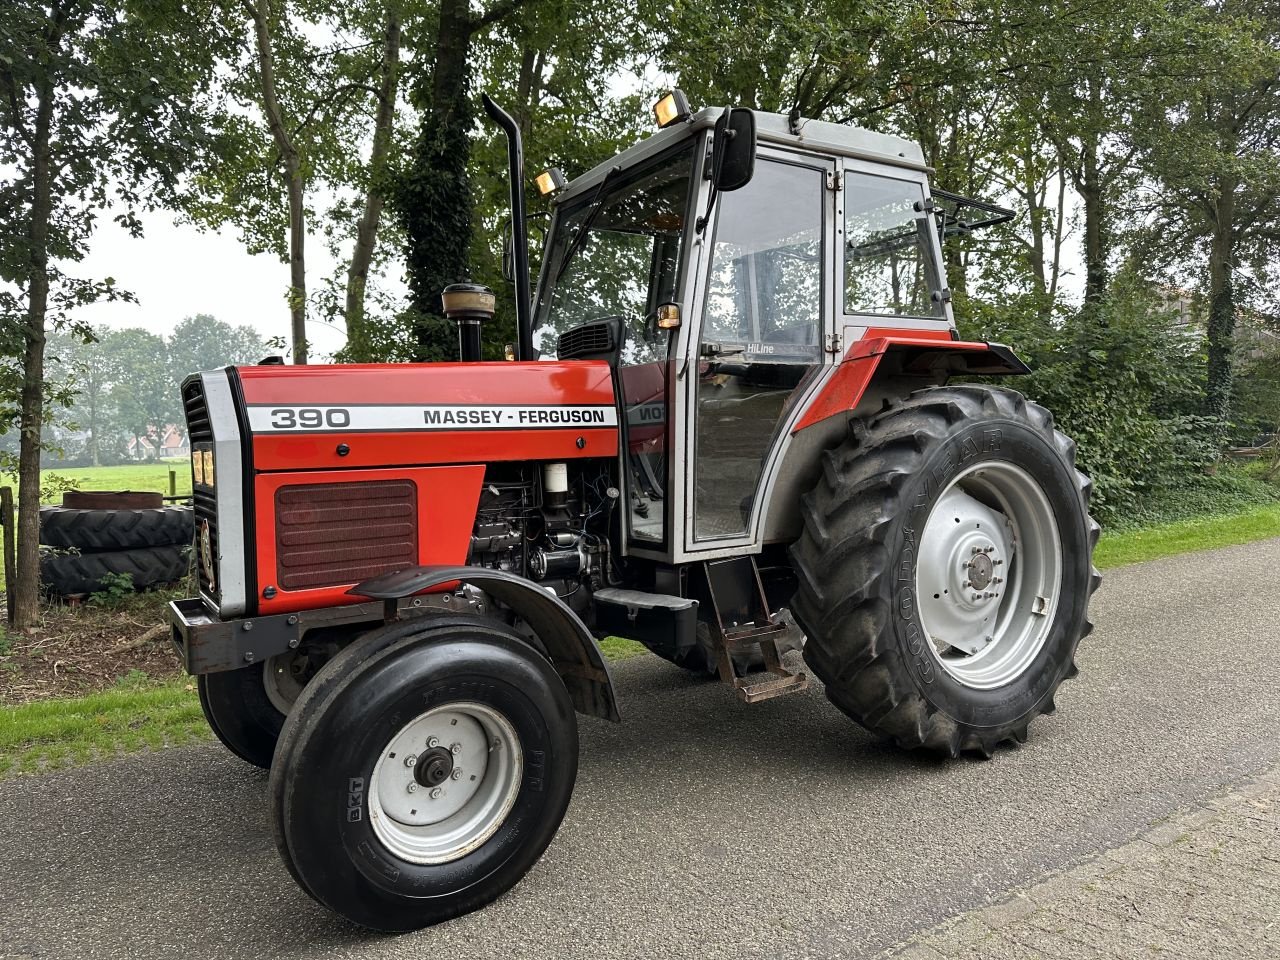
246,708
394,834
945,570
240,713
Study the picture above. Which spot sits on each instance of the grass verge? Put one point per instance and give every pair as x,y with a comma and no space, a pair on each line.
48,734
1185,536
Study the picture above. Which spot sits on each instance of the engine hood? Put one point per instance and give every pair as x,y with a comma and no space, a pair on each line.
351,415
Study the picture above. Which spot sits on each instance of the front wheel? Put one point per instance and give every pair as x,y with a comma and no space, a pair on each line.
424,773
945,570
246,708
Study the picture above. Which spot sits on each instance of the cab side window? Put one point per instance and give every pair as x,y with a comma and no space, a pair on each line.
889,267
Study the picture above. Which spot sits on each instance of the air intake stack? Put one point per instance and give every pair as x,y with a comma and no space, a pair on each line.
468,305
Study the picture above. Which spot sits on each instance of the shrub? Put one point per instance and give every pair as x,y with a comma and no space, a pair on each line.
1122,384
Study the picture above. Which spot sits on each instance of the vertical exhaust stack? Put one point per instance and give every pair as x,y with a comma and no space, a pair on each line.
519,229
469,305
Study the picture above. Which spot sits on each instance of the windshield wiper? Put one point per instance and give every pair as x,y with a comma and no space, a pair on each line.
597,204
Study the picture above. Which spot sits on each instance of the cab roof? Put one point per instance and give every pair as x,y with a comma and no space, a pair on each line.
817,136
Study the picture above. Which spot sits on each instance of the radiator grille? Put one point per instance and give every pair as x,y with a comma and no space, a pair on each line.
204,505
329,534
197,411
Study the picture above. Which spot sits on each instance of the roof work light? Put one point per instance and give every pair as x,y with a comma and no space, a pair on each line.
550,180
672,108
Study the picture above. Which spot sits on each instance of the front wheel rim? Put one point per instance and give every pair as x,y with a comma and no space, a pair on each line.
989,574
445,783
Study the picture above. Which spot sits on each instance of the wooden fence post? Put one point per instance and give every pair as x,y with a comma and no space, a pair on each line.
173,482
10,558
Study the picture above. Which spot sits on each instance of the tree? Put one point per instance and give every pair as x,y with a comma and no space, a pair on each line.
97,105
145,395
1213,153
90,370
203,342
433,195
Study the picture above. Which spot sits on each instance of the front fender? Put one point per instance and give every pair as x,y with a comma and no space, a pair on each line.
568,642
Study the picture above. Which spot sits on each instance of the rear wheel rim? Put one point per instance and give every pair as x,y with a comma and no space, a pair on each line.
445,783
988,574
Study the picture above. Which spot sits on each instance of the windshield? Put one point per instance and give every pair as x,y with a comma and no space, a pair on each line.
626,264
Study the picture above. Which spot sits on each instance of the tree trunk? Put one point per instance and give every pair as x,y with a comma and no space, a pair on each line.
260,15
1033,193
1222,308
367,226
434,196
26,594
1095,235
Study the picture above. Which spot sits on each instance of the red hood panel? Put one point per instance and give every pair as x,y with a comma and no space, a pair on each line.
399,414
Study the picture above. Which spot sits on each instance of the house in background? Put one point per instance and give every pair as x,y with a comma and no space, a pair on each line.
169,442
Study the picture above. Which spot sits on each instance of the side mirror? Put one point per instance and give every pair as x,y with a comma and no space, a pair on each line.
733,157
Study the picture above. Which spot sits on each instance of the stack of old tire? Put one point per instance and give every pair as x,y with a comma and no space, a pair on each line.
96,534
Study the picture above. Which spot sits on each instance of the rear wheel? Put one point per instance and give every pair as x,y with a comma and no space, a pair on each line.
944,569
424,772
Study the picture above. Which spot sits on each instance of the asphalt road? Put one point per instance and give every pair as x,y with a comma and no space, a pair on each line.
702,827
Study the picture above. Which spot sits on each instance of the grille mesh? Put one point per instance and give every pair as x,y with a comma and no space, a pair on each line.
586,340
331,534
197,412
204,505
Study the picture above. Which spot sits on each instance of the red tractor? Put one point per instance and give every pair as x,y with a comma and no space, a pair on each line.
727,430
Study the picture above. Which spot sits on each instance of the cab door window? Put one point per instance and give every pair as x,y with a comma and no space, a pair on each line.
761,335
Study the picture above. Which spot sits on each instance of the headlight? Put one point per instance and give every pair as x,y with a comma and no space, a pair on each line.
207,457
197,467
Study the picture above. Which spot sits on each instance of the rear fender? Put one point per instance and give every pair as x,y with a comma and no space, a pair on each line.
934,360
566,640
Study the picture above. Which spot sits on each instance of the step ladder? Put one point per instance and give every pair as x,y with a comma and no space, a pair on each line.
740,620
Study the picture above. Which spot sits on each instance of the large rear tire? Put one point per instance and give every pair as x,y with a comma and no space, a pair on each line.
944,569
375,812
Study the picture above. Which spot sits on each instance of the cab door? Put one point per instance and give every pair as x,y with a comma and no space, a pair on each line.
767,314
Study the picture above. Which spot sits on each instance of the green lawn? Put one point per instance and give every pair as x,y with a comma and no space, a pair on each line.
149,475
48,734
1184,536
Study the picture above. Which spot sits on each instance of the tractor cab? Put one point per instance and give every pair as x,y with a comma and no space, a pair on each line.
724,267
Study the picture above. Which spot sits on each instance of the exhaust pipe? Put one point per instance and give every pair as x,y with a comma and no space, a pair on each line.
519,229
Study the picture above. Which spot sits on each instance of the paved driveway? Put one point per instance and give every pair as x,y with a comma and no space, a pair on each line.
702,827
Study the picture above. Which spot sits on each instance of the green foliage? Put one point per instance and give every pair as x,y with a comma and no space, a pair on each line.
1120,384
1192,494
54,485
117,589
135,679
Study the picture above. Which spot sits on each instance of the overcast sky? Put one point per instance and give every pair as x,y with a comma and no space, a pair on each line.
177,271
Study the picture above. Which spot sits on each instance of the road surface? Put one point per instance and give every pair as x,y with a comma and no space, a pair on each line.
702,827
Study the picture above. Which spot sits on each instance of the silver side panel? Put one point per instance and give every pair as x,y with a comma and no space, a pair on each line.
228,471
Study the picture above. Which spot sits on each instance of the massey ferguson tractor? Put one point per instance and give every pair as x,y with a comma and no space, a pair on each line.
727,428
